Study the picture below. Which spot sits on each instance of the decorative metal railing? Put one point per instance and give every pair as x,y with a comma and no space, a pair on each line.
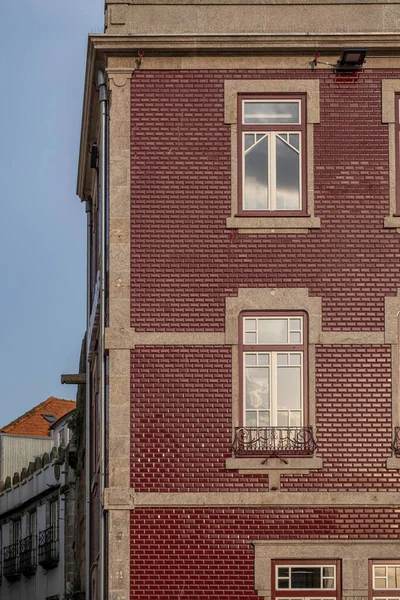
11,563
270,441
396,441
48,548
28,555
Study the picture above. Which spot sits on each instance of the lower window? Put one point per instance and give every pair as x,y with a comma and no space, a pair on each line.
384,579
311,579
274,418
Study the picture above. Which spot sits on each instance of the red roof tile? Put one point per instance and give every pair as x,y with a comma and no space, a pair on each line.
33,423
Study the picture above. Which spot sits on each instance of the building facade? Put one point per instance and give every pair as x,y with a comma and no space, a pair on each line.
29,436
36,526
240,169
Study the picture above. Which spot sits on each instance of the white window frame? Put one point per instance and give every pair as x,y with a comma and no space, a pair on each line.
386,566
270,350
299,566
272,131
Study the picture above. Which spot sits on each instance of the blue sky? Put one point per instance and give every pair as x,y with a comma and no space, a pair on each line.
42,242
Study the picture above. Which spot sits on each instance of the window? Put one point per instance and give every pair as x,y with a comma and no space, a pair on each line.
274,415
391,116
31,524
397,150
305,579
272,154
272,139
384,579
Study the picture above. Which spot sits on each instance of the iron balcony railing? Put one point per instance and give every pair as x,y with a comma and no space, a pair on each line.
48,548
396,441
274,441
11,562
28,561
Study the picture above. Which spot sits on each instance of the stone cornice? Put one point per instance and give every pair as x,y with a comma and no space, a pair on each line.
128,499
279,43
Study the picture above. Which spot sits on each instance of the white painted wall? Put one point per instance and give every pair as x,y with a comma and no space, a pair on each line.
43,583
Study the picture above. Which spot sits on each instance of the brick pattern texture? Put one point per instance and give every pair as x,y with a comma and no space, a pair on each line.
182,421
185,262
199,554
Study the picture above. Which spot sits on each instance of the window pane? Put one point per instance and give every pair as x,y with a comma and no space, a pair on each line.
283,571
328,572
263,359
283,359
380,582
295,359
393,577
283,584
250,337
295,419
257,387
250,324
271,112
306,577
380,571
328,584
249,139
287,176
295,337
272,331
250,359
294,140
295,324
263,418
283,418
289,387
256,176
251,418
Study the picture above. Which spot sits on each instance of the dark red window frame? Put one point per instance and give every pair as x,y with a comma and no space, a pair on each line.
386,593
303,152
397,150
274,348
278,594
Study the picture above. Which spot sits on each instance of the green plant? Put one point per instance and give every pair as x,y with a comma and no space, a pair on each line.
75,424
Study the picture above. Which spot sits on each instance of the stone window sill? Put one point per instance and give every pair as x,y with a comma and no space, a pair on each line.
262,465
274,224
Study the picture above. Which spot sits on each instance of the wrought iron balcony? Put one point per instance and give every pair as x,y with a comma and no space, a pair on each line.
273,441
11,563
48,548
396,441
28,555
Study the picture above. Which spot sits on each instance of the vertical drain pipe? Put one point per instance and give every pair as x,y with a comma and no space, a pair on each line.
88,400
103,99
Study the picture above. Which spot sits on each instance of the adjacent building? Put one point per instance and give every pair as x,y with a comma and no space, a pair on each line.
29,435
240,170
35,511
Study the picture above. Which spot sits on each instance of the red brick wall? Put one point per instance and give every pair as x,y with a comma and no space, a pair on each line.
199,554
185,262
182,421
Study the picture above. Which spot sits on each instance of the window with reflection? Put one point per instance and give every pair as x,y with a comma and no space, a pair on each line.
274,355
306,579
272,147
385,579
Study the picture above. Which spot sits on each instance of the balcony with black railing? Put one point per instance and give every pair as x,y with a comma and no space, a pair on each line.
11,562
48,548
273,441
28,562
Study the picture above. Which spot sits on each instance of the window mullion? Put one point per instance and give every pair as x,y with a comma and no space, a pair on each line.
273,390
272,171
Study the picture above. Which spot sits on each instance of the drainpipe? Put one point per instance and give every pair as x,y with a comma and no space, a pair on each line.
103,99
88,401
